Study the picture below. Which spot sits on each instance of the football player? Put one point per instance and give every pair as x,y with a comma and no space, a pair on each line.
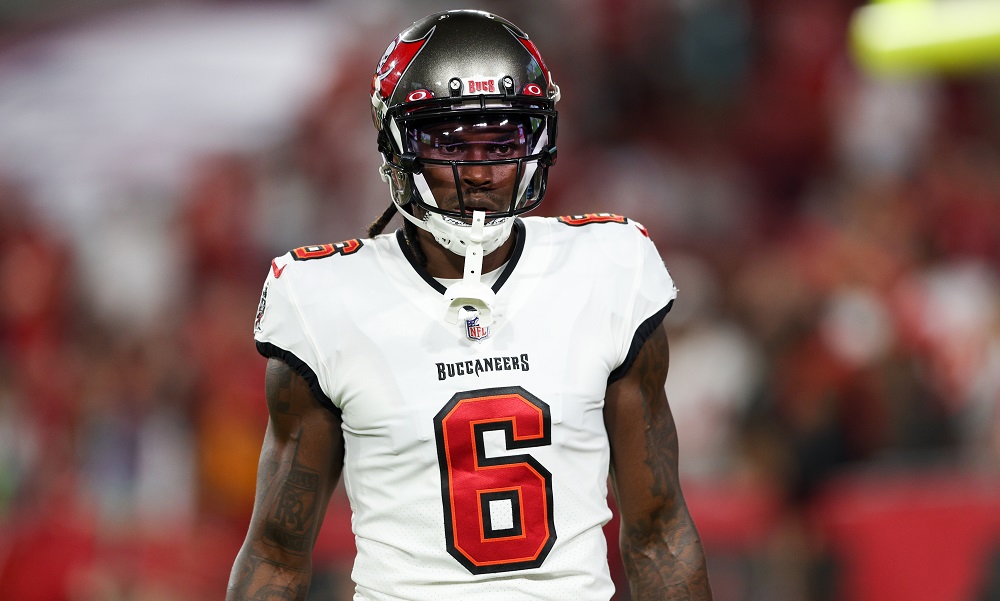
474,376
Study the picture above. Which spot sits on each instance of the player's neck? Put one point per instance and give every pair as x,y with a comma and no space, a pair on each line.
442,263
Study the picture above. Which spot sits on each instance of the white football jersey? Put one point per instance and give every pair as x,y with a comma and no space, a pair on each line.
476,458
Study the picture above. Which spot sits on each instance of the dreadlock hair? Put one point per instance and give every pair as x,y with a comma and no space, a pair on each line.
383,220
409,231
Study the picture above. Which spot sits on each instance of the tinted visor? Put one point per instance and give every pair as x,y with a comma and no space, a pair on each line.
481,137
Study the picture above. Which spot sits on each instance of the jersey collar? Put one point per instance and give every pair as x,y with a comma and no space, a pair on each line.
515,255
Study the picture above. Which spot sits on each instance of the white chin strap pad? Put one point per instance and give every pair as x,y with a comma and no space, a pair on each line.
454,235
470,291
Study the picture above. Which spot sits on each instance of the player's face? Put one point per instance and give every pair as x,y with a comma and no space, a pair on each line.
487,187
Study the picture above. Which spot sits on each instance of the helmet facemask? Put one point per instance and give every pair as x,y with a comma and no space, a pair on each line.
425,143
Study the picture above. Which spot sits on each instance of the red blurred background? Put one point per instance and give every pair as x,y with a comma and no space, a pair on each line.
835,347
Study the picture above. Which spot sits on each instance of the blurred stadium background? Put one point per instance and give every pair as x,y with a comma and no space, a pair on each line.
835,235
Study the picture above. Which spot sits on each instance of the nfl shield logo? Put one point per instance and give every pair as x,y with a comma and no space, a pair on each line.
475,331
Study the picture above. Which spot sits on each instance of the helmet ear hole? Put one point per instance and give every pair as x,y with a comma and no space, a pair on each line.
410,162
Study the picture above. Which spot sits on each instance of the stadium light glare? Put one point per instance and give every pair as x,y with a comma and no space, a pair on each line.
923,36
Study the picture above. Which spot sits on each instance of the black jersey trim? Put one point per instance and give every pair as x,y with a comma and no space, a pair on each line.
405,247
300,367
642,333
515,256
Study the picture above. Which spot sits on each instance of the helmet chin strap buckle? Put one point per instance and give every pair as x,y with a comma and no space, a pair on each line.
470,299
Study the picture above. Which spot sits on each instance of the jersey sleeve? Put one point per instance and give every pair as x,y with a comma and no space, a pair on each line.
651,295
280,332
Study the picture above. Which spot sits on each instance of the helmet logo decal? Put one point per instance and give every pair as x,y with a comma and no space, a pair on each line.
533,89
419,95
480,85
530,47
396,58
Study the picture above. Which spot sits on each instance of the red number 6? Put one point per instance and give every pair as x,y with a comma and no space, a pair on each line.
497,510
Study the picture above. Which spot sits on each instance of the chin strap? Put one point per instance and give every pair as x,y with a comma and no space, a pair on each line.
471,298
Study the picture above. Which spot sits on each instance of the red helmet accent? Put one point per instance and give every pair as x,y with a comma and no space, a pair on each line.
530,47
395,60
419,95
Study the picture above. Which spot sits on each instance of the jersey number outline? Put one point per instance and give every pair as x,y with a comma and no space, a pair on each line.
318,251
472,484
587,218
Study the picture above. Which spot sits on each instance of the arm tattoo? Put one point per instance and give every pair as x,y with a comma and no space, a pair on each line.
274,563
255,577
290,525
242,583
663,553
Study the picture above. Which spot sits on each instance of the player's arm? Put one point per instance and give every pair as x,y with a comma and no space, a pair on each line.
660,546
300,464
